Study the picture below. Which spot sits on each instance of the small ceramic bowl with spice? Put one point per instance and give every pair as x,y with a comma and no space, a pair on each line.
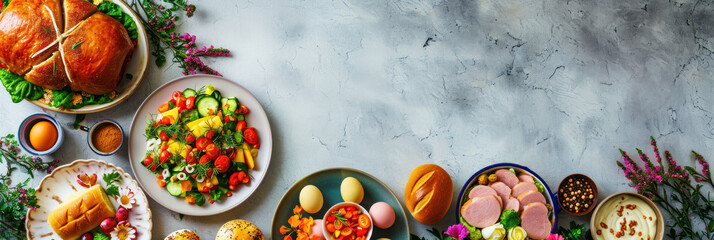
577,194
40,134
105,137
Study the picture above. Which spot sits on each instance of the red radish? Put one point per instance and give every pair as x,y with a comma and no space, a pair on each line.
108,225
86,236
122,214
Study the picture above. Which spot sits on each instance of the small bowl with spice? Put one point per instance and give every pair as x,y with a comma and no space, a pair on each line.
40,134
105,137
627,215
577,194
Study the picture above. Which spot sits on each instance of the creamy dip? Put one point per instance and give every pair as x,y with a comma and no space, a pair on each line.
625,217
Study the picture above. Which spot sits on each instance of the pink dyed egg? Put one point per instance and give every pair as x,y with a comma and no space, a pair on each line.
317,229
382,215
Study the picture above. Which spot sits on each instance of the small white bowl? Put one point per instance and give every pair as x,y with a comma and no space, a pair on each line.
346,204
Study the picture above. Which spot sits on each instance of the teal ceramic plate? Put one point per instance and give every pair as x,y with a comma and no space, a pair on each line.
328,181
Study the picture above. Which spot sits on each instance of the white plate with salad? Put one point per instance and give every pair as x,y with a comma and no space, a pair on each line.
200,145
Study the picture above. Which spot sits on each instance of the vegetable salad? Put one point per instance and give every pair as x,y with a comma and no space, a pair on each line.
200,143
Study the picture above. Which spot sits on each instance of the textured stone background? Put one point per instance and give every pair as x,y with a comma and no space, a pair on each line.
385,86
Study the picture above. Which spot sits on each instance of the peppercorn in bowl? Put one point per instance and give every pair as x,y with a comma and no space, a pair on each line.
577,194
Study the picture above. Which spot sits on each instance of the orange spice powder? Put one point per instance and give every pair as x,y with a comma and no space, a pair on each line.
107,137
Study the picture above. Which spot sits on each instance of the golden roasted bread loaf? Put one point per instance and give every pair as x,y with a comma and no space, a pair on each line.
81,212
94,46
428,193
183,234
239,230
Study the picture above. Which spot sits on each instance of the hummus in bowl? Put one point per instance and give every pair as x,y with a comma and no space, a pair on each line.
625,216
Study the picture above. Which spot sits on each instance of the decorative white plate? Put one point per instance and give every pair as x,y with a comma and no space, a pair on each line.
62,182
137,144
137,68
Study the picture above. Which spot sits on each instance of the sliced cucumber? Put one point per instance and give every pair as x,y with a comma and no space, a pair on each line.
223,104
207,106
230,105
174,188
189,92
216,94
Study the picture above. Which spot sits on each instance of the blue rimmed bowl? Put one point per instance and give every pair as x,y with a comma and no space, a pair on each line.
90,133
550,196
23,133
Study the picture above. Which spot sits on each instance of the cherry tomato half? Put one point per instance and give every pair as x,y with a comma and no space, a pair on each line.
176,96
163,136
364,221
190,102
164,107
250,136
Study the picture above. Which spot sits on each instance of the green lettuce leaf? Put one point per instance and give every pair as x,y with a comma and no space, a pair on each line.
19,88
474,233
114,11
62,98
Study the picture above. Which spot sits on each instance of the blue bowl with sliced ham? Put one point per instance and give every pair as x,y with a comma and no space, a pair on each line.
489,194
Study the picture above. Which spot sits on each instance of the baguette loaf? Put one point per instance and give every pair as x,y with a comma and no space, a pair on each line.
81,212
428,193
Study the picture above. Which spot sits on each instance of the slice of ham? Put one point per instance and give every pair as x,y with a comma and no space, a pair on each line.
526,178
507,177
503,191
534,219
531,197
513,204
481,190
482,212
522,188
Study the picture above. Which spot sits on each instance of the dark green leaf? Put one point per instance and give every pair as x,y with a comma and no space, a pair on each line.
198,198
111,178
114,11
112,190
62,98
78,119
19,88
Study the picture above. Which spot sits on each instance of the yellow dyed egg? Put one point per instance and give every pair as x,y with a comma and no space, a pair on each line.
383,239
352,190
43,135
311,199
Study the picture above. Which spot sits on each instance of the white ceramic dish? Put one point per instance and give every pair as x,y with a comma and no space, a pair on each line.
62,182
326,234
137,144
136,68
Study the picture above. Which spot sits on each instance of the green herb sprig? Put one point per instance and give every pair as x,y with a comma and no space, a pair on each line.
112,180
16,200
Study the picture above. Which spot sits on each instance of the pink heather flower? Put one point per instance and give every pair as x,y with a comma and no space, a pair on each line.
458,231
555,237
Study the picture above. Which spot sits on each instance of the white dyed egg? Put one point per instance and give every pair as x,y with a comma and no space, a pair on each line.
317,229
311,199
382,215
351,190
